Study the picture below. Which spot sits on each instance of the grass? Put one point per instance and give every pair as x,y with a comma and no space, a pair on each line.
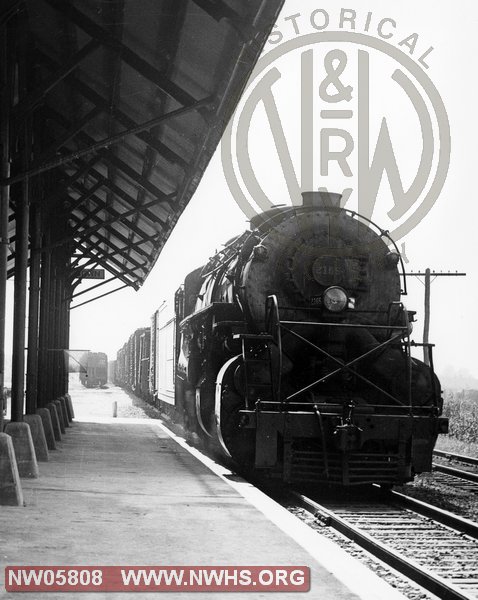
461,408
454,446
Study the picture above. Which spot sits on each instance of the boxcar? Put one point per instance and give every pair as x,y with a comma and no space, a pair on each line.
95,369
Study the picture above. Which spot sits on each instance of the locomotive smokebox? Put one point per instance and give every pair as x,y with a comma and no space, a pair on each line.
321,199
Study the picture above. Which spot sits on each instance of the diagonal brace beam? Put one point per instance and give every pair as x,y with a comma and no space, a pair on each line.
34,99
343,367
90,249
143,67
103,144
127,122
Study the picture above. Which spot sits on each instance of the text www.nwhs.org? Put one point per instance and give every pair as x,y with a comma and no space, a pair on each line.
156,579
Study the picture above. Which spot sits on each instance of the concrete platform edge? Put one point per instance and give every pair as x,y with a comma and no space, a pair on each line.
349,571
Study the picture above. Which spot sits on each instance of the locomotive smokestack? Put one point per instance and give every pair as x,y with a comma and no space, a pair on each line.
321,199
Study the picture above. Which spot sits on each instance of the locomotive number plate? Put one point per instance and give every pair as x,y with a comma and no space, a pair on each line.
337,270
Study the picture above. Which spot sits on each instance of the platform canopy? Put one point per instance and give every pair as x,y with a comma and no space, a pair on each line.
126,101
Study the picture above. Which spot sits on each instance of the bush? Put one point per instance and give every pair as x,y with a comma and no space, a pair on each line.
461,408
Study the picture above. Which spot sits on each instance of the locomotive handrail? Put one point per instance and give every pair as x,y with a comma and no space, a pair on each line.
384,233
356,325
409,360
432,367
343,366
321,308
274,325
221,259
429,348
272,322
322,438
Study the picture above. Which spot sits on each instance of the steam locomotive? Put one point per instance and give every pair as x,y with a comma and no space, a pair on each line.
290,352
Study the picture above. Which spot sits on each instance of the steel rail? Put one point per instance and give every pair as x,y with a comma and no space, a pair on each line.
437,514
469,460
411,569
458,473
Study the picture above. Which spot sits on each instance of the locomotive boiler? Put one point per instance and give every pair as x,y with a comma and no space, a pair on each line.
292,352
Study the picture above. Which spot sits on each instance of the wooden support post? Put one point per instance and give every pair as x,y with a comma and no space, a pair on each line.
426,319
5,91
67,334
20,300
60,315
53,345
427,274
20,297
43,397
53,327
33,311
22,209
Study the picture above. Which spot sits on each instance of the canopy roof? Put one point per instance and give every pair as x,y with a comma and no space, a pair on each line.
128,101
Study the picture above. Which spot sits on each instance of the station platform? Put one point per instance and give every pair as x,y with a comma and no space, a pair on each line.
125,491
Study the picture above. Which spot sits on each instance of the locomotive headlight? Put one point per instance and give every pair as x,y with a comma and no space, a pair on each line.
335,299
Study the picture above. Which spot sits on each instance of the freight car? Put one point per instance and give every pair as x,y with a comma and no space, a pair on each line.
132,363
290,352
94,372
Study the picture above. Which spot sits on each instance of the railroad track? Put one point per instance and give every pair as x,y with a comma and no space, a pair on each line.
455,477
432,547
469,460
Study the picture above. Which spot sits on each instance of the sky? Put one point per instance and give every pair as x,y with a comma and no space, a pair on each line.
445,238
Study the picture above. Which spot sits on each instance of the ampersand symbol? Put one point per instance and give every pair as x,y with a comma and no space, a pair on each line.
333,78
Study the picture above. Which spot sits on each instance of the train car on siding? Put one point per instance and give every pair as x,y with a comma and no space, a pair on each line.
94,371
